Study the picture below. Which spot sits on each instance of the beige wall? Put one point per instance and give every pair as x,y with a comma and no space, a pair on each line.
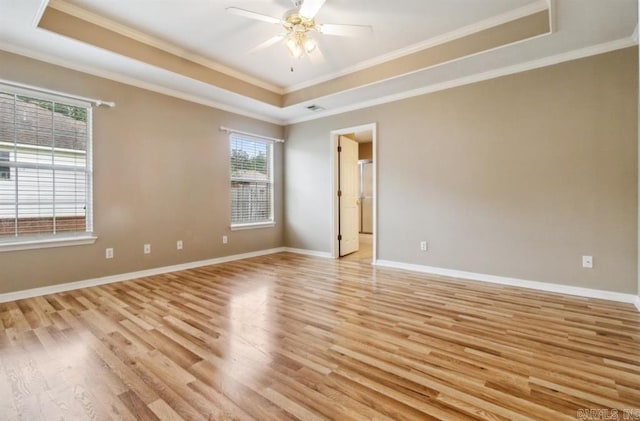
638,178
161,174
517,176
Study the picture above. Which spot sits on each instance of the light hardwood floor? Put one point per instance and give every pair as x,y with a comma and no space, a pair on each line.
286,336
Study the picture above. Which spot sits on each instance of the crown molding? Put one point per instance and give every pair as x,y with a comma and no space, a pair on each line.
116,77
553,16
492,74
124,30
521,12
128,32
547,61
319,98
39,13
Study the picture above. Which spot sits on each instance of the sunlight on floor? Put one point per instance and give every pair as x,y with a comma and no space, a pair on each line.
365,252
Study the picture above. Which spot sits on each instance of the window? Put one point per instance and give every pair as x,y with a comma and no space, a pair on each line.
251,181
45,173
5,172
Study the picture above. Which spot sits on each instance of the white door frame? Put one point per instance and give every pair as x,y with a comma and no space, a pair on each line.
335,210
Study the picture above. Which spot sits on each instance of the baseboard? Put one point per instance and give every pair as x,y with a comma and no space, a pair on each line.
36,292
542,286
563,289
313,253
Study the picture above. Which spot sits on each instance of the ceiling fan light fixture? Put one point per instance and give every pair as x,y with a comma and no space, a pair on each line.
295,46
309,45
299,24
298,52
291,43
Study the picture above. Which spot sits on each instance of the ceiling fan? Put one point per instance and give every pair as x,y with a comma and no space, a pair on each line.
299,24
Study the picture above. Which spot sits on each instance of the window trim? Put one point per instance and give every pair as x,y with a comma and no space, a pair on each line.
252,225
240,226
39,241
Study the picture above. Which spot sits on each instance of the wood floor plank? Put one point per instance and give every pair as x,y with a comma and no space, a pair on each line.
286,336
222,408
137,407
7,404
164,412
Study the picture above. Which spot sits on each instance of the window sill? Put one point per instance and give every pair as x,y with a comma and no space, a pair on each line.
46,242
240,227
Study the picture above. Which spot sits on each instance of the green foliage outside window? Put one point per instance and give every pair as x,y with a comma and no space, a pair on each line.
240,160
76,113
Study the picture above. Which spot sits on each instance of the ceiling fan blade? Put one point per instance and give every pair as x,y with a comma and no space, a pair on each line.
345,30
316,57
252,15
309,8
268,43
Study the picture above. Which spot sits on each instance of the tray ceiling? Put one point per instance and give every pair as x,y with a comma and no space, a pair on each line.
197,51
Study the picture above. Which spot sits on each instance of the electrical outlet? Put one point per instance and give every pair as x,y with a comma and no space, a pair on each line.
108,253
587,262
423,246
179,244
225,239
147,248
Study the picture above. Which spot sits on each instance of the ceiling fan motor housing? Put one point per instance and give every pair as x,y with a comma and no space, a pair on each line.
293,21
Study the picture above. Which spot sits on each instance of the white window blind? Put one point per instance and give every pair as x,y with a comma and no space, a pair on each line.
5,171
45,166
251,180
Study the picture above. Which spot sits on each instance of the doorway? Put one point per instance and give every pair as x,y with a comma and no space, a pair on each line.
353,192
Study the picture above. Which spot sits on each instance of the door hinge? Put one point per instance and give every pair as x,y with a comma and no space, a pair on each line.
339,148
339,193
339,237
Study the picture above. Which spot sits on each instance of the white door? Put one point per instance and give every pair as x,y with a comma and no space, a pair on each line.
348,196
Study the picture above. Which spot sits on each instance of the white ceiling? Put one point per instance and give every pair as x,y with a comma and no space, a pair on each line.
202,28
